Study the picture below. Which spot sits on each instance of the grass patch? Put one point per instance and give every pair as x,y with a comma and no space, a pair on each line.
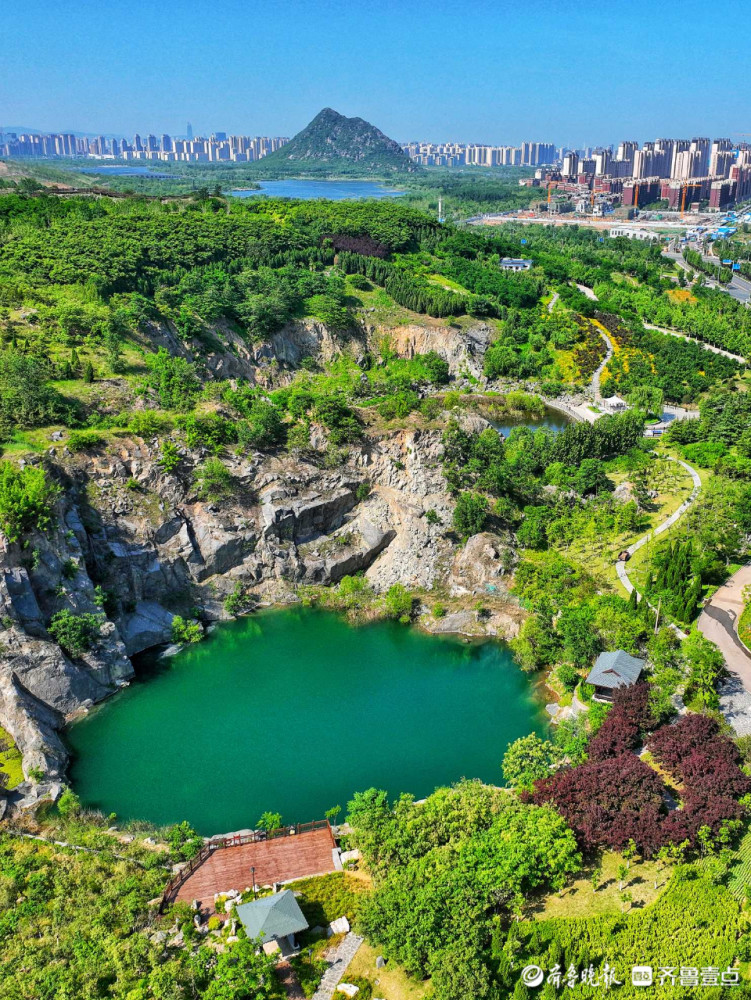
391,982
327,897
579,900
10,760
448,283
639,562
740,871
744,626
599,554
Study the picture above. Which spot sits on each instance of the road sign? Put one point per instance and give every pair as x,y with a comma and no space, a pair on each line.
524,241
736,267
727,262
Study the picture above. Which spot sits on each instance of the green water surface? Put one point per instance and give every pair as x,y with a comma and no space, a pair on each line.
292,711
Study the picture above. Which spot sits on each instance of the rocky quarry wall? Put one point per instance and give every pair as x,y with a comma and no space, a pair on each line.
147,539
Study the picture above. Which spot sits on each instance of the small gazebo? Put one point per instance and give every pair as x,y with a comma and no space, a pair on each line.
612,671
273,919
614,404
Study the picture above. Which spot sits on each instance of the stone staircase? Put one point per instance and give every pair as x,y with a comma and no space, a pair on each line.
343,955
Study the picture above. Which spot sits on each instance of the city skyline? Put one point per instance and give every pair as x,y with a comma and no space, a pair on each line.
673,170
434,72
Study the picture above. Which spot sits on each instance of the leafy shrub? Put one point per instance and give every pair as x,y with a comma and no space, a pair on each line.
186,630
608,802
68,804
84,440
26,499
398,602
568,675
626,723
69,568
432,517
213,480
76,633
147,423
26,397
174,379
527,760
169,456
269,821
705,453
360,282
183,840
399,405
263,429
208,430
339,418
309,972
238,601
470,513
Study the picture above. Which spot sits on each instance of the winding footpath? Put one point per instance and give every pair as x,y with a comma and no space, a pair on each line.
586,290
718,622
621,567
595,383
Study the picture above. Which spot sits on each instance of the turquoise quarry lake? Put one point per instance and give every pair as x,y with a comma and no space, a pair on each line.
292,710
333,190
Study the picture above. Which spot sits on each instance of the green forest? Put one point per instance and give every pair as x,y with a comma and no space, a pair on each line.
113,313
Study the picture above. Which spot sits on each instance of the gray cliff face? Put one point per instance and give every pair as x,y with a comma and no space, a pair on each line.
141,546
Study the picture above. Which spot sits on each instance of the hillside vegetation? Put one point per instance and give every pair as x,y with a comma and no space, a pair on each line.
168,360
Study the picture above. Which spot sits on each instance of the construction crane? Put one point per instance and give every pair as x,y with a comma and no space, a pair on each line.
684,190
635,200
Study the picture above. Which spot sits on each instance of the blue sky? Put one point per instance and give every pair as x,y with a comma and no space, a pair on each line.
567,71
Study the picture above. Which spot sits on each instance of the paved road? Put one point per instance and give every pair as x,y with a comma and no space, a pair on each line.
586,290
675,333
739,288
719,622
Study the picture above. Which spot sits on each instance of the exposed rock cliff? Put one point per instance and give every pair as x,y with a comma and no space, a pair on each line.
140,545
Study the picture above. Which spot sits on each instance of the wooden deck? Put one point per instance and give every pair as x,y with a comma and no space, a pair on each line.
280,860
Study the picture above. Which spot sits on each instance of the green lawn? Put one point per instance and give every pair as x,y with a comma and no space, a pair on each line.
448,283
740,872
645,881
390,982
599,555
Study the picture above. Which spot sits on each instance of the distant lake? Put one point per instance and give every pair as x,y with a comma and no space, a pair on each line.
333,190
126,171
